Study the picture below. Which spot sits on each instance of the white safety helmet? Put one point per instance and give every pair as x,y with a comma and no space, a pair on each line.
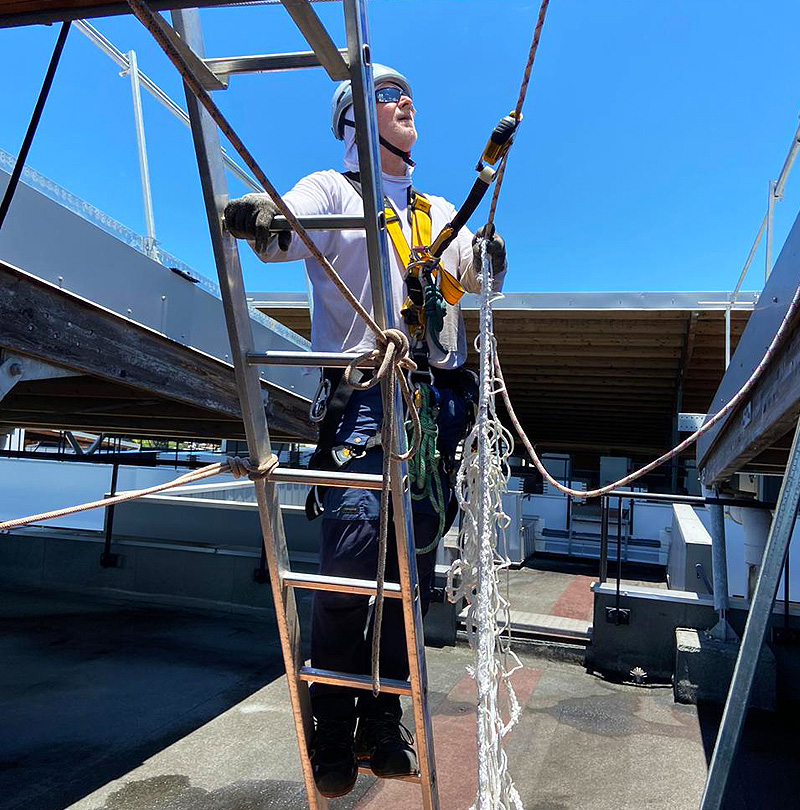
343,97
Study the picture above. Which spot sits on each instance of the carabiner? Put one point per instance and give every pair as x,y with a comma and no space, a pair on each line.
319,405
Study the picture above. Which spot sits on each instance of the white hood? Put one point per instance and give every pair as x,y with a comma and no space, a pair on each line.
392,183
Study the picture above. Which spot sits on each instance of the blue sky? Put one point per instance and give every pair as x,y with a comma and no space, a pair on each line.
651,128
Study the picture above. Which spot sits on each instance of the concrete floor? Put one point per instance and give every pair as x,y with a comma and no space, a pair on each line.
115,707
560,587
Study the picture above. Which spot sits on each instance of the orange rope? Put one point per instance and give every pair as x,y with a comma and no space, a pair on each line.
523,91
234,464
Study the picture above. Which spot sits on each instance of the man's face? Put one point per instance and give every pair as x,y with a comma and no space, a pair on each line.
396,121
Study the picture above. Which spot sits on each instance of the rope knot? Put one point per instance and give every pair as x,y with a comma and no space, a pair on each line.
393,348
391,357
244,466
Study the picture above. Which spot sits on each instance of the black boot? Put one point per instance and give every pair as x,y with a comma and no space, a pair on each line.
387,744
333,759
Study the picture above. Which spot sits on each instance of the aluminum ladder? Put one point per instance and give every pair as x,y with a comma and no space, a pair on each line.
356,67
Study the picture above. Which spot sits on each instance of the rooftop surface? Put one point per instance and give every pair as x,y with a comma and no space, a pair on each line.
118,707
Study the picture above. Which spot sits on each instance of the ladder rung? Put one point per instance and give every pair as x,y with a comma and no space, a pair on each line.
289,475
228,65
318,38
322,222
319,582
411,777
388,685
300,359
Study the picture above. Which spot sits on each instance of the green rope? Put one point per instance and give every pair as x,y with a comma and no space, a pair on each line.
435,310
423,466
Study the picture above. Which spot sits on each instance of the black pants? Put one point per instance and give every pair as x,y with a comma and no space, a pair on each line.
341,638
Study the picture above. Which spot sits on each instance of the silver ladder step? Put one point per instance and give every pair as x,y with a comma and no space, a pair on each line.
363,767
323,222
303,359
388,685
225,66
320,582
325,478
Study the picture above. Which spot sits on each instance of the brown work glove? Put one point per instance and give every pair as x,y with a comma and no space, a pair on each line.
495,248
250,217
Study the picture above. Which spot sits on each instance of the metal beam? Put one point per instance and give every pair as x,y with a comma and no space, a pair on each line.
263,63
208,79
318,38
365,115
28,12
240,334
755,630
574,304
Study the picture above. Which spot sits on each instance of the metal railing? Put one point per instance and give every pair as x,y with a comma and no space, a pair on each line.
138,79
654,497
774,194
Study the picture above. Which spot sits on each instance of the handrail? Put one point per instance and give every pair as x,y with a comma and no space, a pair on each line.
775,194
111,50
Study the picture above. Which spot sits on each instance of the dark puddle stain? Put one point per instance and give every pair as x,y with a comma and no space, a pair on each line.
175,792
615,716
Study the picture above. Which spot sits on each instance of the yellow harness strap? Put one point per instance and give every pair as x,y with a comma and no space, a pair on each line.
421,236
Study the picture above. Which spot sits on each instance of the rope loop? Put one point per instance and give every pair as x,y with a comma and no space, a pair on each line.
245,466
392,349
391,357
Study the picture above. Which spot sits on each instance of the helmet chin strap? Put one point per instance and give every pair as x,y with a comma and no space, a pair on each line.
405,156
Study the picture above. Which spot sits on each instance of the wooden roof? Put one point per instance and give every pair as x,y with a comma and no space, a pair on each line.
597,380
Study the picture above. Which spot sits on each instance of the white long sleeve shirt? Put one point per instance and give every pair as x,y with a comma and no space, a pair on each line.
335,326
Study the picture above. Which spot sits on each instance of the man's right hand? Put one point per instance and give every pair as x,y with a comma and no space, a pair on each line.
250,217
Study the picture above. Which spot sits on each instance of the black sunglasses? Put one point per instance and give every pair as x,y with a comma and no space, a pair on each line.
389,95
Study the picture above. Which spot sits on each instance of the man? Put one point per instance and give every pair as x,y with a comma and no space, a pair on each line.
349,434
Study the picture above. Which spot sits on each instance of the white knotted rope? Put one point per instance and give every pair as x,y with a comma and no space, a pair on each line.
482,479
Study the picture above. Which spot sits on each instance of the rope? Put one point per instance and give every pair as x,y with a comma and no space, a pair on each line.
238,466
435,311
474,576
392,351
523,91
780,336
423,469
503,390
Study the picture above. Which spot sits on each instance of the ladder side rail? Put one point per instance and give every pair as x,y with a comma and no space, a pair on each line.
305,18
380,280
755,631
209,158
